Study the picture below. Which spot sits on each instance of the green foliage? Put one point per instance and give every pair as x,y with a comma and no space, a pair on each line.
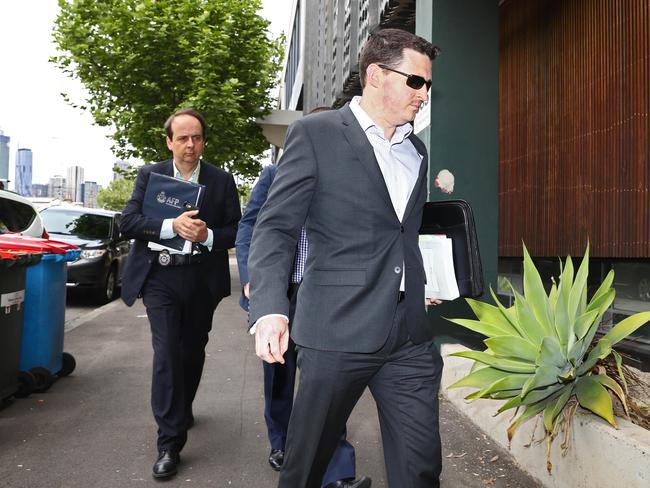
541,354
140,60
115,196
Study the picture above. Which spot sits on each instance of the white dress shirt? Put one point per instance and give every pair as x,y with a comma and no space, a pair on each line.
398,161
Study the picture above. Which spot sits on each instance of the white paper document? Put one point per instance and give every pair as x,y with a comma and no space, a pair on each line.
187,248
438,259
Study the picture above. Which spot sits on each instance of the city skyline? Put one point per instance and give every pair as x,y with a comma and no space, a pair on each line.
32,112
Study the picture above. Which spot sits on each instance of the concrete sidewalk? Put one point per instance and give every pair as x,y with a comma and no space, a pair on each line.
95,429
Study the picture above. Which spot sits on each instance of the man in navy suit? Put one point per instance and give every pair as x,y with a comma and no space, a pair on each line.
180,290
279,379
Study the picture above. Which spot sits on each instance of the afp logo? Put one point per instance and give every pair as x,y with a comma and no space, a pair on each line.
161,197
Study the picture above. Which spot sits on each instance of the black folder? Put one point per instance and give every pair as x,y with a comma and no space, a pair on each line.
167,197
455,219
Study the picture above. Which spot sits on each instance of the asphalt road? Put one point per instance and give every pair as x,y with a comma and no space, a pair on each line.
94,428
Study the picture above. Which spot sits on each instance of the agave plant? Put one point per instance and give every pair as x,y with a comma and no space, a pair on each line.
540,355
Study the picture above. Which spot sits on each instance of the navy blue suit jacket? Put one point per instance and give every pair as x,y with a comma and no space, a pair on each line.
247,223
219,210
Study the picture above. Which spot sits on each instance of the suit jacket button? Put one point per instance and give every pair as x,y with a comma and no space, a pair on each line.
397,270
401,229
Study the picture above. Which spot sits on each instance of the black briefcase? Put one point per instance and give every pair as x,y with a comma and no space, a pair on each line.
455,219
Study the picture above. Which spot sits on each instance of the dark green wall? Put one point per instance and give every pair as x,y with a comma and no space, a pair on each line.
463,136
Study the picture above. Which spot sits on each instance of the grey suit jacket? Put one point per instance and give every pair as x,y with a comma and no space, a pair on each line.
329,179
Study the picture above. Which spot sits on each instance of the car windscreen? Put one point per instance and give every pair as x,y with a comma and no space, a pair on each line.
76,223
15,216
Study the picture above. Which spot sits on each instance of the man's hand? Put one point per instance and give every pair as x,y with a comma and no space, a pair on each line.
432,301
190,229
247,290
272,339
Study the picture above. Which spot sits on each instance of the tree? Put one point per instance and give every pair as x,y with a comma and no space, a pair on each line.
140,60
115,196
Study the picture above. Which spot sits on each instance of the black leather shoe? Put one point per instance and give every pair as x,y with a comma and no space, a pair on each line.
363,482
276,458
166,465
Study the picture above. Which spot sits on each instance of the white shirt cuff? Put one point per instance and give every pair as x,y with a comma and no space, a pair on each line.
253,328
167,230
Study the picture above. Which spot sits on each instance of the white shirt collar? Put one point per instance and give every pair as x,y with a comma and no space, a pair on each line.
366,123
194,177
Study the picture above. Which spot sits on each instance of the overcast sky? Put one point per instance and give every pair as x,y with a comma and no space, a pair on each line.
32,112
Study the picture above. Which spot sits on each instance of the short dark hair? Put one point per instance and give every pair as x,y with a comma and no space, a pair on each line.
386,46
184,111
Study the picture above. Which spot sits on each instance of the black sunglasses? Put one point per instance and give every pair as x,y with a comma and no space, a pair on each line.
414,81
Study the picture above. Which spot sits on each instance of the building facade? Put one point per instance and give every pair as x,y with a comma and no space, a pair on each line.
119,168
58,187
90,191
4,158
74,183
40,190
23,182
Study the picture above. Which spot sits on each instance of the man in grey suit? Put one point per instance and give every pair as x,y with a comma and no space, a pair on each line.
356,178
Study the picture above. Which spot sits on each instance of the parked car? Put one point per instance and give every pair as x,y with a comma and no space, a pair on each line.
17,214
103,249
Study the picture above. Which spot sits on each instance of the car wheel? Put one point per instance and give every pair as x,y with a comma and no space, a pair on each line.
68,364
644,289
107,293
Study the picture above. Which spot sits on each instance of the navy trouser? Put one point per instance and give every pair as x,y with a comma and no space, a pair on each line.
180,310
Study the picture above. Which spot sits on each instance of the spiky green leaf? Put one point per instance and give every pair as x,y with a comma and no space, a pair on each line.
513,347
483,328
579,286
593,396
554,408
480,378
550,353
535,293
510,365
532,328
603,289
584,323
626,326
544,376
511,382
530,412
619,368
533,397
609,382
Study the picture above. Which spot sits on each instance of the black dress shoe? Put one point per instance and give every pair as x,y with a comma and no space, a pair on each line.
166,465
276,458
363,482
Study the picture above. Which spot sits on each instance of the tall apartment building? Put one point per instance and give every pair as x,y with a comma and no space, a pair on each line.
58,187
4,157
23,183
327,37
74,181
90,191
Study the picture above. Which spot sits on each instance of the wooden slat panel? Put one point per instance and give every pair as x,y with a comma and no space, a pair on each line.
574,129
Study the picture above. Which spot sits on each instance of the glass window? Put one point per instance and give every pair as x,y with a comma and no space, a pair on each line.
76,223
15,216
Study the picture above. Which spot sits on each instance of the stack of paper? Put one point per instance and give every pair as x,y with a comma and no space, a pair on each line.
438,258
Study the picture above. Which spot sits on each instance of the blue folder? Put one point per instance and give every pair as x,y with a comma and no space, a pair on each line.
167,197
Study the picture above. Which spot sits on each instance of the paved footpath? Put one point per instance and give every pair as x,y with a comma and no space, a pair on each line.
94,428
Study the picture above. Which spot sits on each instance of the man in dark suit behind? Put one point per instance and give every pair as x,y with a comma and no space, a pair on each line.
180,290
279,379
357,179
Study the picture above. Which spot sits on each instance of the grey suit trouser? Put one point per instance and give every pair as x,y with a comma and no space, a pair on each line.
403,378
